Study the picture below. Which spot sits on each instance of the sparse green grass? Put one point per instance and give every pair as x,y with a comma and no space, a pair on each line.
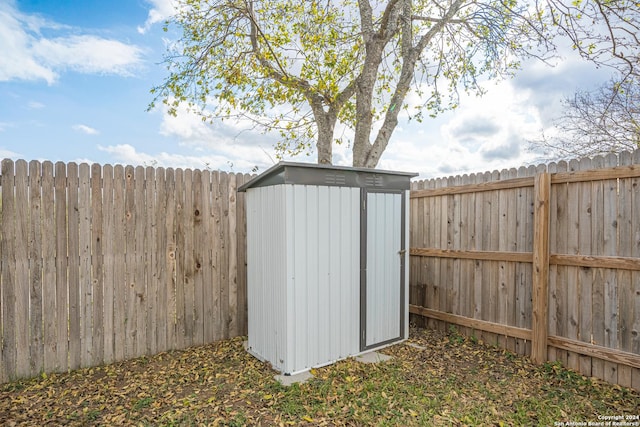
454,381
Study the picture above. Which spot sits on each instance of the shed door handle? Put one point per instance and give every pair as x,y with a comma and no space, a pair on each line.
402,251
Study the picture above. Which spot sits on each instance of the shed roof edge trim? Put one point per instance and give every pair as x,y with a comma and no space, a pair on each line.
281,166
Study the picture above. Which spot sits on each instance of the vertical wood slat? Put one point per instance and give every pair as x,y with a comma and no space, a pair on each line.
494,215
170,258
242,258
22,268
610,291
232,275
416,287
150,255
97,267
502,274
487,232
521,245
597,280
73,278
206,259
196,212
467,210
140,290
36,352
425,267
542,189
624,280
455,232
512,228
62,333
479,266
48,268
434,239
86,289
555,213
635,277
585,275
108,255
7,304
160,261
223,202
180,260
188,267
571,316
119,265
449,263
216,329
131,214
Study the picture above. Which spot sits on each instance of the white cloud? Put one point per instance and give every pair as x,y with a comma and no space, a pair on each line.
85,129
483,134
88,54
234,140
8,154
35,105
159,12
17,34
28,55
129,155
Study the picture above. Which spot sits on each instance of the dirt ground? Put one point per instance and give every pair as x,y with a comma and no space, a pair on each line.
435,378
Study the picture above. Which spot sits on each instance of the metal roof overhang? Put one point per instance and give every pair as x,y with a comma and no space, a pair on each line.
340,176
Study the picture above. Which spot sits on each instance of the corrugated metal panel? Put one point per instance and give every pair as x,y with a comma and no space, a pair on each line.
407,245
266,273
323,291
384,228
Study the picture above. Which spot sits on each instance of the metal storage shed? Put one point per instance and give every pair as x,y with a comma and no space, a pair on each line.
327,265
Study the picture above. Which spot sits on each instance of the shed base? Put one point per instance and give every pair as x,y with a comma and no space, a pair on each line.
367,356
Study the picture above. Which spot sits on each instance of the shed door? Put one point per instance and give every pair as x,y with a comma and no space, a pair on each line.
381,277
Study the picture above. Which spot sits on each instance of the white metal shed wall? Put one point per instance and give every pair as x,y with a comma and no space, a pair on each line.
304,307
266,272
323,251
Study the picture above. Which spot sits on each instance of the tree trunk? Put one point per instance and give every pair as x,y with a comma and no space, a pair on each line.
326,123
325,147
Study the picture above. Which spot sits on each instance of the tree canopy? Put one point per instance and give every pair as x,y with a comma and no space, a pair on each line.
304,67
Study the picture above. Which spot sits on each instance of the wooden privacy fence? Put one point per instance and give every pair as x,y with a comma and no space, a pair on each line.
103,263
543,261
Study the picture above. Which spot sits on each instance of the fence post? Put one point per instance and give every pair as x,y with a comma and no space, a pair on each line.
542,190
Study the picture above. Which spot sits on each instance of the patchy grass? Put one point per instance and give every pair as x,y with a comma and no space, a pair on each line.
453,381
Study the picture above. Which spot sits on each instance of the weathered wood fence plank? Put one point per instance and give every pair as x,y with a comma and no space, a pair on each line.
8,297
86,288
108,252
48,269
22,267
119,266
36,352
73,276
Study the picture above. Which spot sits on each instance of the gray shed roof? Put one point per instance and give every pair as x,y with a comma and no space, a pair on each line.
340,176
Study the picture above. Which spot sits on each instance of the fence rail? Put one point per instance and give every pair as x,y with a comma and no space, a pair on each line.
543,261
103,263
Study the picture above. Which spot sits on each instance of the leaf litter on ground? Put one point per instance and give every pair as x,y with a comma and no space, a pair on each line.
442,379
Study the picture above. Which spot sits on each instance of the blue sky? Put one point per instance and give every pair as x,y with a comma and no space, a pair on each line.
75,79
